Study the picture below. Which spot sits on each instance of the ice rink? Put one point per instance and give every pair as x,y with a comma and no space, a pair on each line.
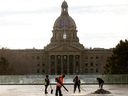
38,90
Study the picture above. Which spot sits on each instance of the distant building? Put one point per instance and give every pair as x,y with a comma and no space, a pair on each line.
64,54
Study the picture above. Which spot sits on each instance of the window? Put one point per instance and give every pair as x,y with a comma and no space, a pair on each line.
91,63
97,70
52,57
91,70
43,71
86,64
86,57
77,63
96,64
58,57
65,57
52,63
91,57
77,57
37,57
38,65
38,71
97,57
86,70
43,64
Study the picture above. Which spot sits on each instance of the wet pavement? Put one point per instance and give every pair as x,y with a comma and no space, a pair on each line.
38,90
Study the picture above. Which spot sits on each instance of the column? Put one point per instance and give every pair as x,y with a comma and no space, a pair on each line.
65,66
55,64
77,63
68,64
52,64
71,64
59,68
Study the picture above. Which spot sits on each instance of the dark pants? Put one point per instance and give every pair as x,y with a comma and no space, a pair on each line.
101,85
75,86
58,89
46,86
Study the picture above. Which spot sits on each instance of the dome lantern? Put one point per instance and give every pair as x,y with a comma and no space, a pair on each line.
64,7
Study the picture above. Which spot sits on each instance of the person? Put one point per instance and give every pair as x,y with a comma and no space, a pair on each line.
47,82
59,84
77,82
101,82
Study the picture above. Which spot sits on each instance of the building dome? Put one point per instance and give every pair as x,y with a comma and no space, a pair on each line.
64,20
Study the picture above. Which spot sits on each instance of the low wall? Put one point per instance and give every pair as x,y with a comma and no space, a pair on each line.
39,79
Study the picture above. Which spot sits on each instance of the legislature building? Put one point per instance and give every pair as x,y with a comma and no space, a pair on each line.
64,54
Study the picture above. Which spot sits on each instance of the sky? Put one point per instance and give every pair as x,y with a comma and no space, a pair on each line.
27,24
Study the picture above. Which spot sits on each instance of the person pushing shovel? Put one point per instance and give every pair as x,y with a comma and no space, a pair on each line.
47,83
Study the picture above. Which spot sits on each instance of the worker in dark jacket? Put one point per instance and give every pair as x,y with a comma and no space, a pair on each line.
101,82
47,82
77,82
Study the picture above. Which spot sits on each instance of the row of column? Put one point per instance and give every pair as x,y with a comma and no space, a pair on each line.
67,64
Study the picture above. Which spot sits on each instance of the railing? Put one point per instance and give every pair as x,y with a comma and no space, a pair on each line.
85,79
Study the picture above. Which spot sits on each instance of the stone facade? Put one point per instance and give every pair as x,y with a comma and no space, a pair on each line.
64,54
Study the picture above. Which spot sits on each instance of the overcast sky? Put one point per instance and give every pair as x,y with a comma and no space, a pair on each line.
29,23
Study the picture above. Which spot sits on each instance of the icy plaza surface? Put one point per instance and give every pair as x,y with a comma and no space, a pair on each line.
38,90
20,85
